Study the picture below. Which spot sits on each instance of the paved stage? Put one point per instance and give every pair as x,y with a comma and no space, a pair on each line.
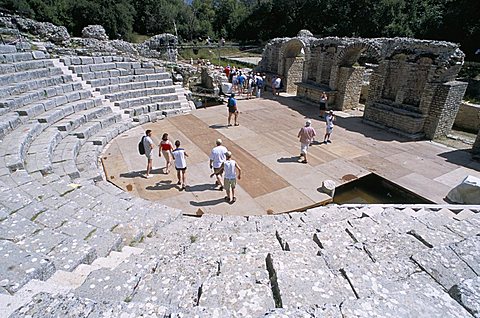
266,147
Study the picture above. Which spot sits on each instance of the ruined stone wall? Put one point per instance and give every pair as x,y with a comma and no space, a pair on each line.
468,117
412,89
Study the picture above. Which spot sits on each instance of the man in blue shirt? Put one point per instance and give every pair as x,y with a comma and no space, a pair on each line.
232,109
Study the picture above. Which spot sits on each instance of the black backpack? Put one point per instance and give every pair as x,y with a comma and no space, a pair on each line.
141,148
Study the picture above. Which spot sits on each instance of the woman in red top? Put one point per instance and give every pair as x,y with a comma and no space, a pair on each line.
166,147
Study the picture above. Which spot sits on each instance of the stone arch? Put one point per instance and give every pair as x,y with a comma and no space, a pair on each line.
348,76
291,64
349,55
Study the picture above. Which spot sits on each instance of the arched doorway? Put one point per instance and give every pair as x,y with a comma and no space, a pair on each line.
291,64
355,65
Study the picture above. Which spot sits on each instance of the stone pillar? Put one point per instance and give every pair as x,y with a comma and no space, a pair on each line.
377,80
443,109
320,68
476,147
294,73
349,87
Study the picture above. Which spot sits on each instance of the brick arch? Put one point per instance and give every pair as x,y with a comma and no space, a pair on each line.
351,53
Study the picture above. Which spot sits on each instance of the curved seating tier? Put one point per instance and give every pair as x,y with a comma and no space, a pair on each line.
74,243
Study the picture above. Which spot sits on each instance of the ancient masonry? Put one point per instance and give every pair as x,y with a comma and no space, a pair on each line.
412,87
74,245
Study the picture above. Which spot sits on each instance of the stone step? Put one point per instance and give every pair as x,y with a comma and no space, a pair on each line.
152,99
22,56
155,107
115,88
29,75
25,66
105,82
85,60
26,86
137,93
74,121
15,145
7,49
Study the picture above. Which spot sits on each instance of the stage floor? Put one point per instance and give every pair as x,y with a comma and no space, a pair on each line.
266,147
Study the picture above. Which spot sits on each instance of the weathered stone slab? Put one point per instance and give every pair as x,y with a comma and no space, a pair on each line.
104,241
444,265
175,284
418,297
17,266
305,280
469,251
44,304
329,311
121,283
16,228
242,284
467,293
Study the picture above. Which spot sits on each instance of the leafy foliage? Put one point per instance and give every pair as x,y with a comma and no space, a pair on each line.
260,20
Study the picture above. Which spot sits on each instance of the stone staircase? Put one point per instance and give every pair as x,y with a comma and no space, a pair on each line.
75,245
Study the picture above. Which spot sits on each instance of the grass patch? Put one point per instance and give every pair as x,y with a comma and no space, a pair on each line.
89,235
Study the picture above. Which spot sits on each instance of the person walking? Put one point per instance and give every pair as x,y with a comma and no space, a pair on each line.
329,119
277,85
232,110
323,104
148,146
217,158
231,167
180,156
306,135
165,148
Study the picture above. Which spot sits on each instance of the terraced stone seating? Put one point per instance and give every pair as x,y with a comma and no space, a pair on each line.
73,244
136,87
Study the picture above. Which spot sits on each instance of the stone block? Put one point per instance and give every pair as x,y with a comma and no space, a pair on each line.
468,192
18,267
444,265
467,294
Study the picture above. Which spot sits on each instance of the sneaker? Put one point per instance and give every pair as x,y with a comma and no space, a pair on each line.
221,188
325,142
148,176
303,161
179,183
329,141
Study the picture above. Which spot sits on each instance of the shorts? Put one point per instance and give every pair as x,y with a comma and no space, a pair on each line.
149,155
229,183
180,169
323,106
304,148
232,110
218,171
329,129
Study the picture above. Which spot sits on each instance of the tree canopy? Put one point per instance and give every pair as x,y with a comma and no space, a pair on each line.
260,20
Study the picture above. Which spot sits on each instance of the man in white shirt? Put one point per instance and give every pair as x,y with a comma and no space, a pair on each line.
230,181
217,157
148,146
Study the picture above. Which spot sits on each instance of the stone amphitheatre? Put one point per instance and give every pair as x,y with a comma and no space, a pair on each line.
74,244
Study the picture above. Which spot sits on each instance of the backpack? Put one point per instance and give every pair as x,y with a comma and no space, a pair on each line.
259,83
141,147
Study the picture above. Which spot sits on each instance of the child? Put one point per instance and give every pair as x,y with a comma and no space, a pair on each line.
230,168
180,155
